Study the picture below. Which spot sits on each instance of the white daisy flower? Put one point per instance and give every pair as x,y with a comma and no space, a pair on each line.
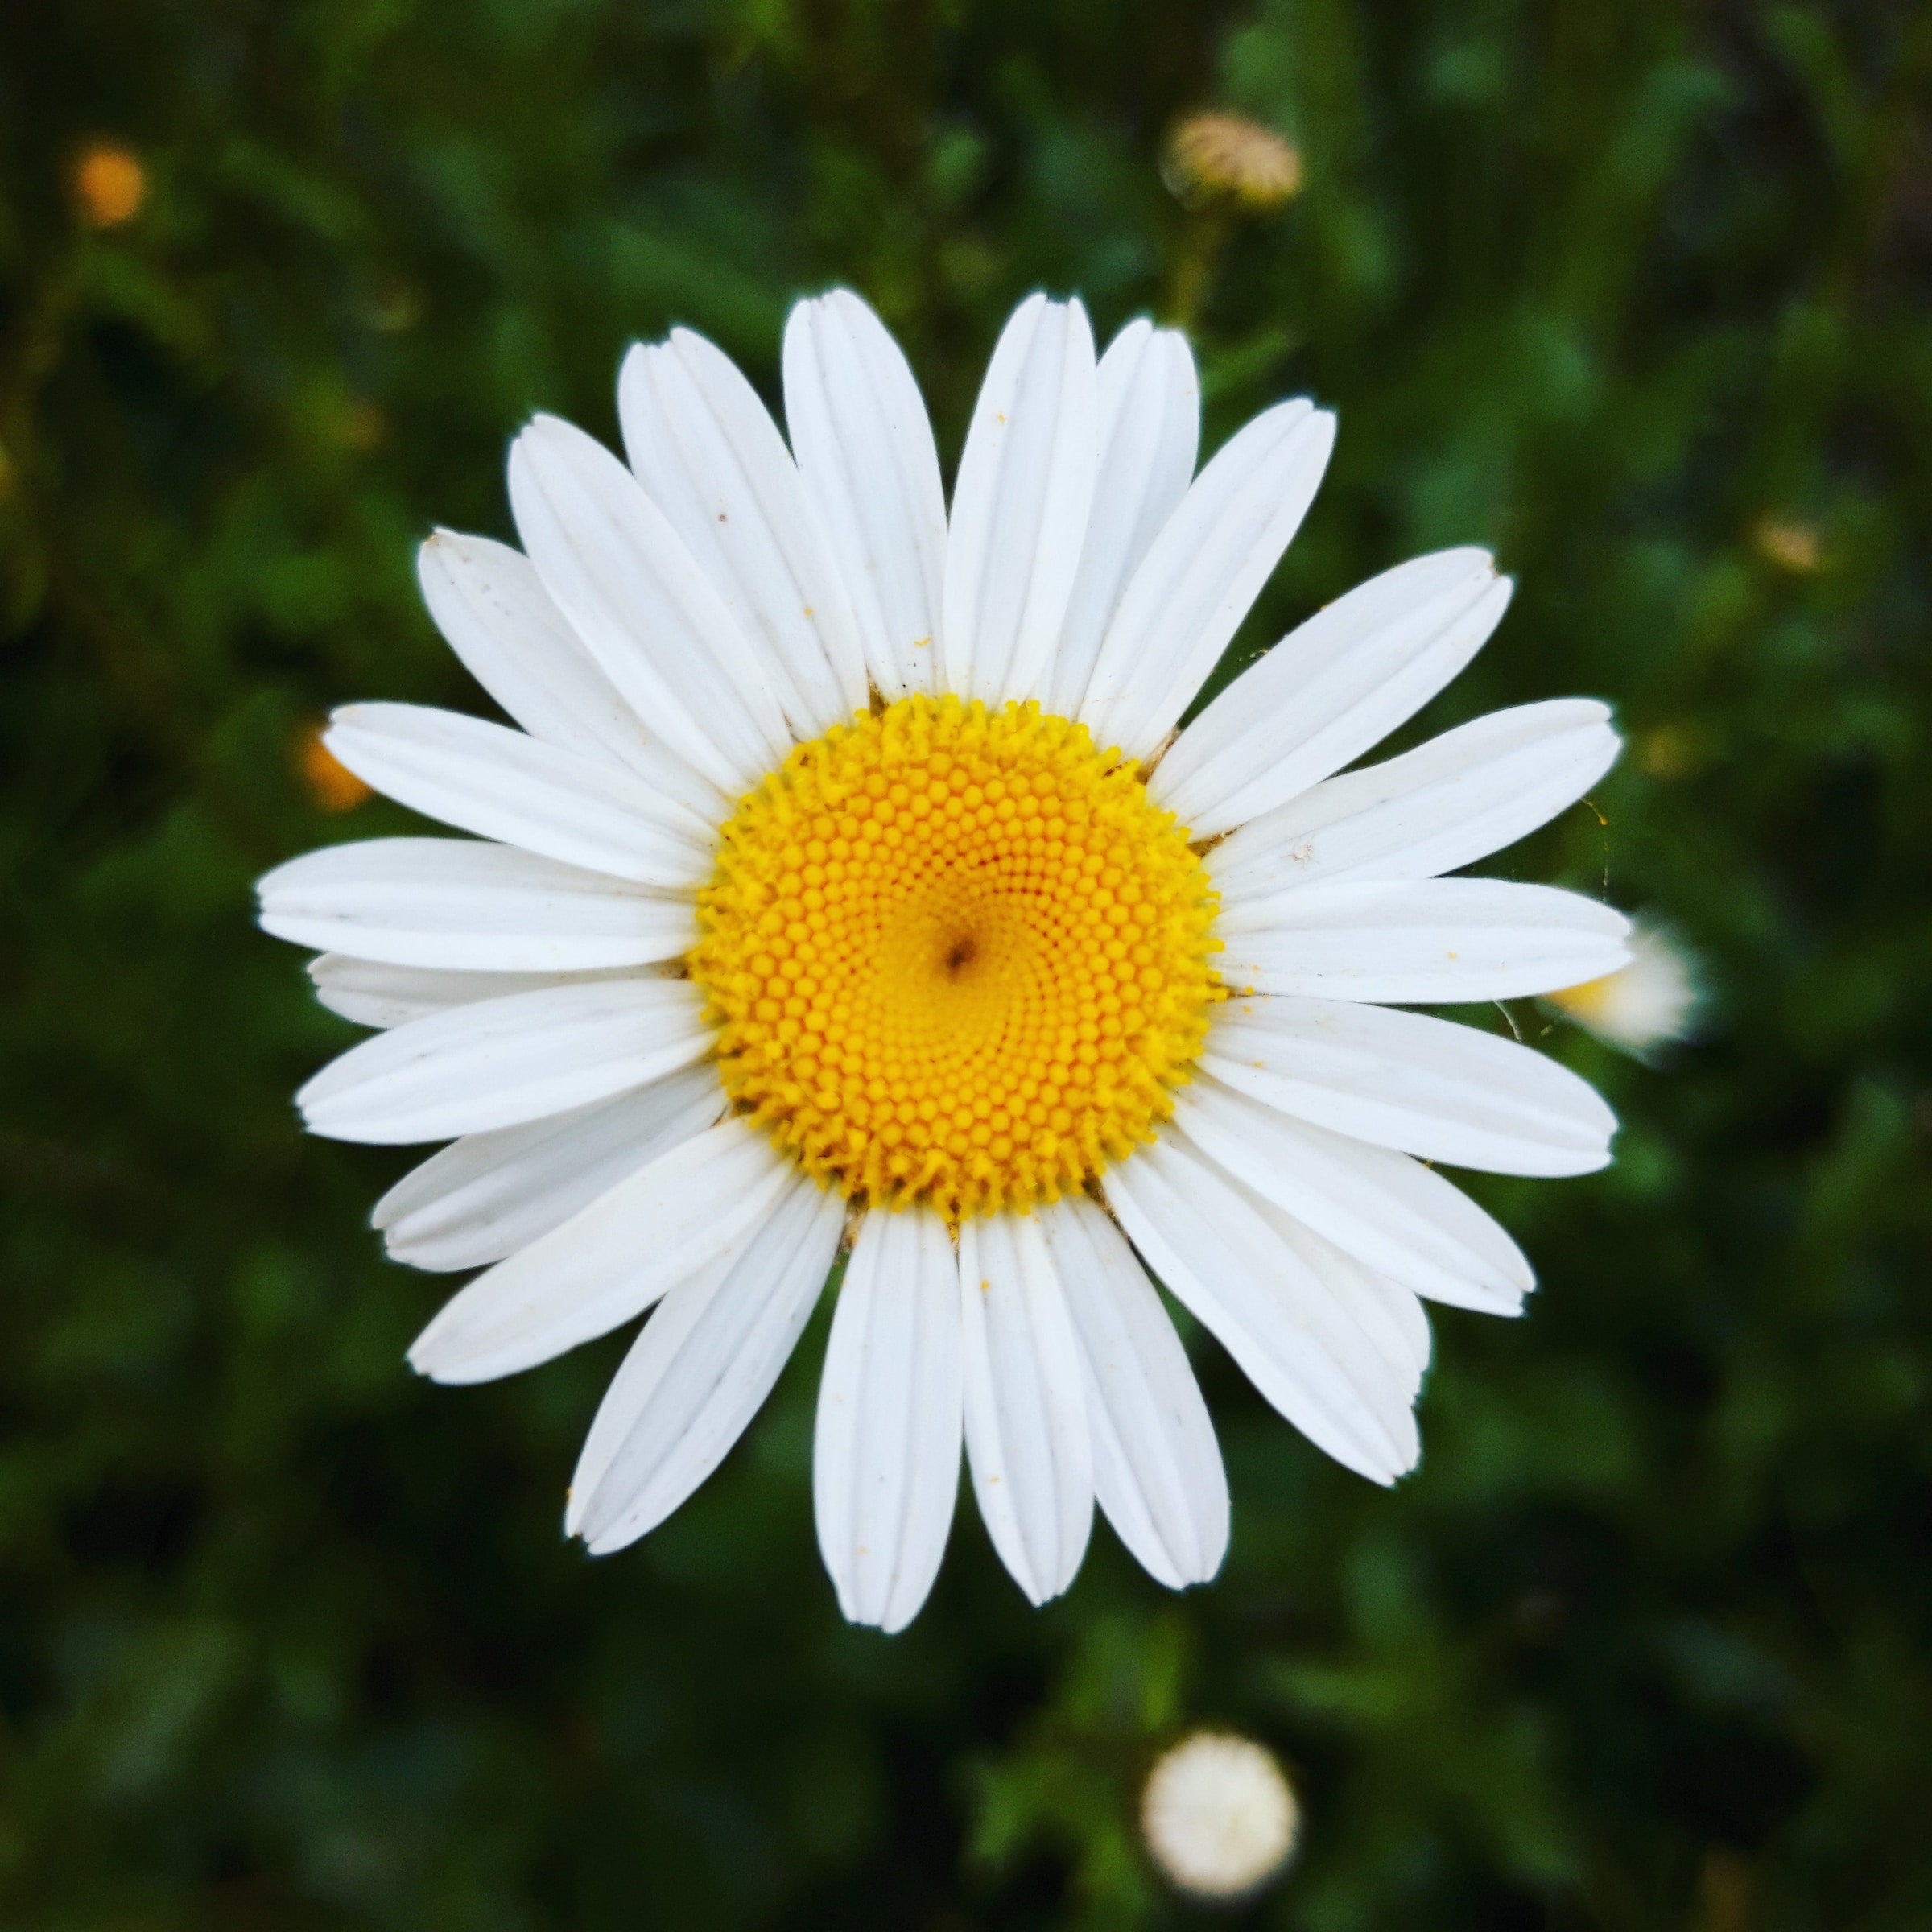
1644,1006
848,886
1219,1815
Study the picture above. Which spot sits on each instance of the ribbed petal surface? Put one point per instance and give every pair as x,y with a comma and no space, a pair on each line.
469,905
1394,1215
1202,575
1149,409
1438,941
1027,1436
1404,1079
502,785
491,606
691,1208
497,1062
373,994
886,1457
699,1371
1304,1351
1021,504
711,458
1331,689
637,597
488,1194
1461,797
865,449
1156,1468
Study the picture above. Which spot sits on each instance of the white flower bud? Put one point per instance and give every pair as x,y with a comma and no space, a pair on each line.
1218,1814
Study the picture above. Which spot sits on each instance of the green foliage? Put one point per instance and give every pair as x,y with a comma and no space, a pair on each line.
1636,292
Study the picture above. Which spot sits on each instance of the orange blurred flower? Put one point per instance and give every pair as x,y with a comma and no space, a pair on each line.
331,784
109,184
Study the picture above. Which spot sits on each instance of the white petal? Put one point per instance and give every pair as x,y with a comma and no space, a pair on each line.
488,1194
692,1208
500,1061
1456,799
1394,1215
374,995
1027,1437
1156,1468
1390,1315
1404,1079
1202,574
1148,407
455,903
1020,504
886,1457
711,458
699,1371
1250,1289
484,778
488,602
1338,684
866,451
635,595
1435,942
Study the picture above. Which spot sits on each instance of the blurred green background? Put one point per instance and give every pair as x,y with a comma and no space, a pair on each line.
1635,291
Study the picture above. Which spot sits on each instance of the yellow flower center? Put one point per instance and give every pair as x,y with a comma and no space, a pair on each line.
1591,1000
957,957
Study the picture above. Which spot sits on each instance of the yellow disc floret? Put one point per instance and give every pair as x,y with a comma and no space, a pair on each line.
957,957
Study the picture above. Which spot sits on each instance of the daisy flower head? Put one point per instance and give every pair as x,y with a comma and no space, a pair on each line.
843,884
1647,1005
1219,1815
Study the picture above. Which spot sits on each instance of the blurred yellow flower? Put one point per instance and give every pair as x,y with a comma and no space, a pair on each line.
1219,1815
1791,545
1218,154
331,784
1671,751
109,184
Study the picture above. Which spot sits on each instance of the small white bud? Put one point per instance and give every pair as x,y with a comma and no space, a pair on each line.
1218,1814
1645,1005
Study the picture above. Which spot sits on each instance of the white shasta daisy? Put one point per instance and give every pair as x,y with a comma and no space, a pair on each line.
848,886
1645,1005
1218,1814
